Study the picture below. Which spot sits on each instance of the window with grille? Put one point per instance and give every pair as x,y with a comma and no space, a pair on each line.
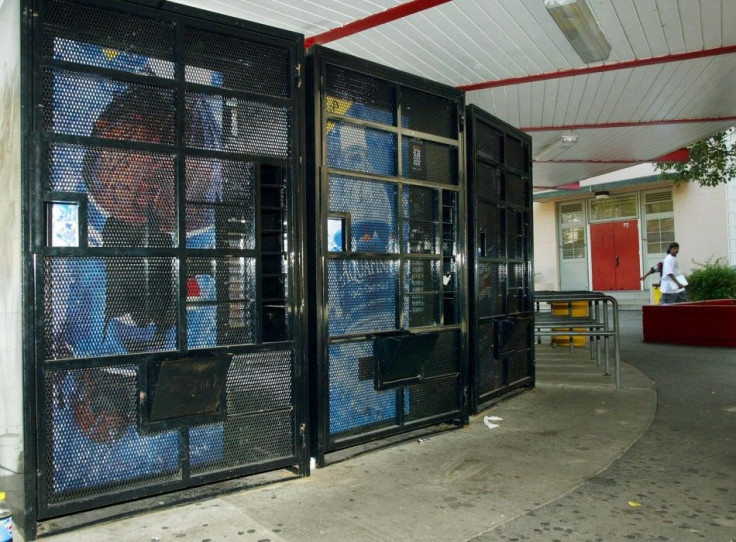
613,208
572,231
659,221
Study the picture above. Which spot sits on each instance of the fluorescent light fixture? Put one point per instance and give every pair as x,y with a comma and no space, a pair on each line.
581,28
603,194
560,145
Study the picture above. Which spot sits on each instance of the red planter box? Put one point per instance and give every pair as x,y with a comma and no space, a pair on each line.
700,323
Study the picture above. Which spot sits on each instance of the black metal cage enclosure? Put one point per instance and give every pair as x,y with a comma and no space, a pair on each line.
387,299
163,174
500,257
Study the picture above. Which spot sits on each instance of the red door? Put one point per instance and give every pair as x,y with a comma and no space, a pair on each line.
615,250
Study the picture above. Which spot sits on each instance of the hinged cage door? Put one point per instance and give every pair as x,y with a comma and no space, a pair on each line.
166,235
500,257
390,349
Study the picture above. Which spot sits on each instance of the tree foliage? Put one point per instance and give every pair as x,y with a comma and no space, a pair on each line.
712,161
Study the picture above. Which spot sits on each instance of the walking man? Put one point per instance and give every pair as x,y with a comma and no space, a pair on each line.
673,291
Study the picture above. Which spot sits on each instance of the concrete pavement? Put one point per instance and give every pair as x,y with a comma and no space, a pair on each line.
452,485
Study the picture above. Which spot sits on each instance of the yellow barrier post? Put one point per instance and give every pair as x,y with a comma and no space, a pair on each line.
575,309
656,295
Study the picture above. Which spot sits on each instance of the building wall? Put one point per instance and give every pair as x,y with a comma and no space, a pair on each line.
701,223
10,221
546,253
731,209
701,228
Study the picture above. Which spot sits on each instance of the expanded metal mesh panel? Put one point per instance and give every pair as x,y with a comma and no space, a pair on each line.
519,366
362,149
421,220
489,372
516,275
517,190
138,185
362,295
220,192
491,288
360,96
421,293
517,154
491,241
108,38
260,414
93,443
241,64
106,306
517,287
221,295
136,113
371,206
489,142
354,403
260,381
250,440
516,234
250,127
488,181
440,162
242,441
425,112
433,398
445,358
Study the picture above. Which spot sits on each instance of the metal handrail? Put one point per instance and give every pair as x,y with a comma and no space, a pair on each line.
597,325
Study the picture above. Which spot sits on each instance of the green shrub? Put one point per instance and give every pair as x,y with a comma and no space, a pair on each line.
712,280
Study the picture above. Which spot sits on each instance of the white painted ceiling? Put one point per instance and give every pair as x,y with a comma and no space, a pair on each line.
464,42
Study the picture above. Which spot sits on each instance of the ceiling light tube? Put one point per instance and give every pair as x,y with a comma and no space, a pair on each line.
581,28
563,143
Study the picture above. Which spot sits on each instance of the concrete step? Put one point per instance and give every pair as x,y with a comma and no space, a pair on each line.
630,300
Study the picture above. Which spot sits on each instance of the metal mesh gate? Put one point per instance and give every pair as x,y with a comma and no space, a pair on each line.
500,257
387,299
169,345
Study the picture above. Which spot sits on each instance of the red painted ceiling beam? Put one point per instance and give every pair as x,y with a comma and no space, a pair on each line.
377,19
680,155
569,186
625,124
611,66
574,161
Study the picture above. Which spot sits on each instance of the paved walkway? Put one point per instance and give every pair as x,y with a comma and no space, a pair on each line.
453,485
678,481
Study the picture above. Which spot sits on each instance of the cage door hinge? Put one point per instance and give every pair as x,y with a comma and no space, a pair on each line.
299,75
303,435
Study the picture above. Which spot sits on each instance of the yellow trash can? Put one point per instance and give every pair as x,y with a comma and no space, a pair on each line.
656,295
578,309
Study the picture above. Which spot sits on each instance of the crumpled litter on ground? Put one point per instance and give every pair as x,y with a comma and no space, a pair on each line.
488,420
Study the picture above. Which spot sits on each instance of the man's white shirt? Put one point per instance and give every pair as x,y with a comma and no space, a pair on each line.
669,266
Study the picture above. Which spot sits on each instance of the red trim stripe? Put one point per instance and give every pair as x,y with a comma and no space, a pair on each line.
574,161
625,124
377,19
627,64
681,155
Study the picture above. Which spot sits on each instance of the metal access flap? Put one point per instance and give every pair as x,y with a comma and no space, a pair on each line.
188,391
400,358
